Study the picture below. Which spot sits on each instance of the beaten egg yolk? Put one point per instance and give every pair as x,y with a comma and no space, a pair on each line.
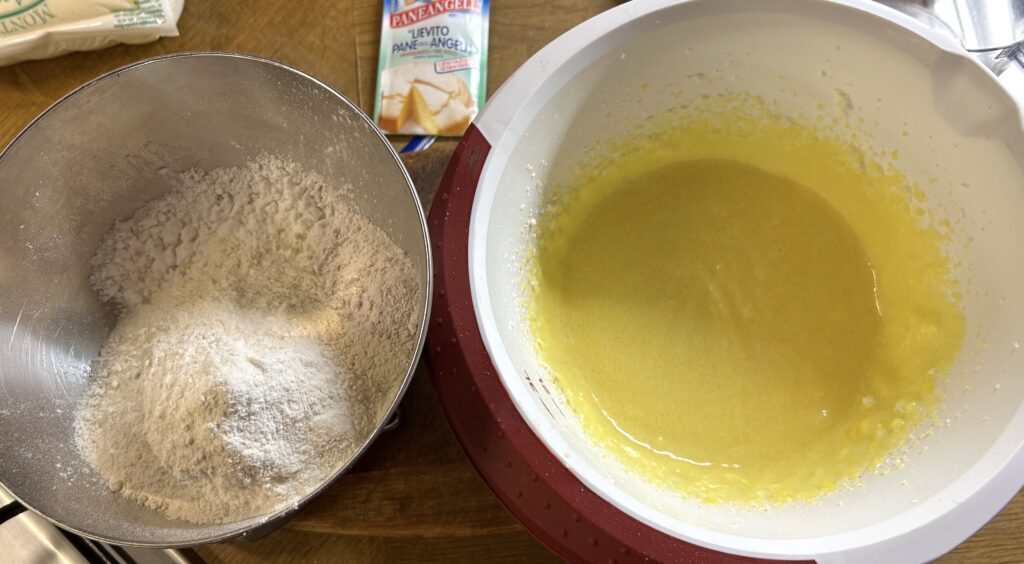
746,310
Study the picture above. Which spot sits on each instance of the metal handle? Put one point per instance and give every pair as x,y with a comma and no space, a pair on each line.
1012,55
394,421
979,25
991,30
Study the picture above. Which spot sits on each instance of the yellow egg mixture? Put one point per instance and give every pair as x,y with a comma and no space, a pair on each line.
743,308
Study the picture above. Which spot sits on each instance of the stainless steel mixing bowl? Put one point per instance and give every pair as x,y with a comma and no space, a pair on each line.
93,158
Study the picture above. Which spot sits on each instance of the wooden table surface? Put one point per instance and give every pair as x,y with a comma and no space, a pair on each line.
414,497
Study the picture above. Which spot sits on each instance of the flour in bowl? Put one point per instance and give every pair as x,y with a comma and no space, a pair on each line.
265,325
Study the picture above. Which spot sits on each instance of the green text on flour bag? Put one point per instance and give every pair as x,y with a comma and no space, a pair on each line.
433,66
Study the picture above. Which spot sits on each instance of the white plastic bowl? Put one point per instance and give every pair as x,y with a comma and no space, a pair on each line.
965,128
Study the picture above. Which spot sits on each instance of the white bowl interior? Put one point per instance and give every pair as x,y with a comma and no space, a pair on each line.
964,130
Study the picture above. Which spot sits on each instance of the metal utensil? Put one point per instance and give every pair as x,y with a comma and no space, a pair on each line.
979,25
991,29
93,158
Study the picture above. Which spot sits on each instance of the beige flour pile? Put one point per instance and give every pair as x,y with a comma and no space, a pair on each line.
265,323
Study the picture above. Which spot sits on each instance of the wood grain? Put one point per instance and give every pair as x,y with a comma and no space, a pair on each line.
1001,541
295,546
414,497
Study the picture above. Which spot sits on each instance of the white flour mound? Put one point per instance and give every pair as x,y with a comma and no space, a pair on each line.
266,323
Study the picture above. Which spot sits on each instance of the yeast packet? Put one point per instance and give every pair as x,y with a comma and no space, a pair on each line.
432,76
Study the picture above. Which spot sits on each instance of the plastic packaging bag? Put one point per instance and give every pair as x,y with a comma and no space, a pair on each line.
432,77
39,29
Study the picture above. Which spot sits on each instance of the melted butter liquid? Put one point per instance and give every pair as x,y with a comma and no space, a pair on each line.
746,314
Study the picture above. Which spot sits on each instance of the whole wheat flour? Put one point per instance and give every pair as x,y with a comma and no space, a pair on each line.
265,324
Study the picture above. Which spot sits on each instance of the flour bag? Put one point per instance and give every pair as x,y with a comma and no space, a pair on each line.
40,29
432,76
